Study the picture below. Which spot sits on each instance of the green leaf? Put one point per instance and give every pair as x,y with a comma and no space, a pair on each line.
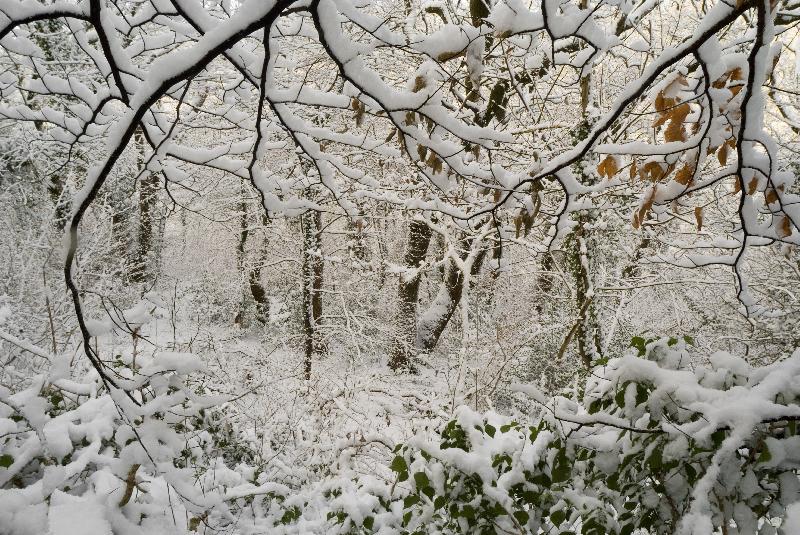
558,517
410,501
490,430
522,517
655,460
421,479
619,398
562,467
640,344
641,393
717,437
627,529
541,479
369,522
399,464
439,502
6,460
765,455
691,473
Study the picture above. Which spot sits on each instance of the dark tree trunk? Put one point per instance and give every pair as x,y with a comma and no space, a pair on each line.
244,232
143,269
587,330
433,322
403,341
311,223
259,293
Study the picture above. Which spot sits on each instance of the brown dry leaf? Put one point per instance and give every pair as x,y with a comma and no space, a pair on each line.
633,170
410,118
752,186
640,216
652,171
662,102
422,151
447,56
786,227
722,155
608,167
684,175
674,131
518,224
771,196
419,84
737,184
698,216
434,163
360,114
354,103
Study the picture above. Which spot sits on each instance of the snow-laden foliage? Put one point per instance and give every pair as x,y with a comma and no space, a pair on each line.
647,444
161,457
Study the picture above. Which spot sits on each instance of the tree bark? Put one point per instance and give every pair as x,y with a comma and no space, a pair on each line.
435,319
580,248
311,223
401,352
142,269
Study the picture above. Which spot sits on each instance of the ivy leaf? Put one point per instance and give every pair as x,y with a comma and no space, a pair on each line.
6,460
369,522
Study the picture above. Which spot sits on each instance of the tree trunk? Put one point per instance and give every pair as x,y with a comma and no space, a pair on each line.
433,322
311,223
403,341
142,269
580,248
257,289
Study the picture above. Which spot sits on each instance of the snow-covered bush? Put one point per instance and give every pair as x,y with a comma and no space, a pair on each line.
649,444
155,457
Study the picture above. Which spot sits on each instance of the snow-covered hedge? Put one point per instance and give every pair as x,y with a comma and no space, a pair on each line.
156,458
649,444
